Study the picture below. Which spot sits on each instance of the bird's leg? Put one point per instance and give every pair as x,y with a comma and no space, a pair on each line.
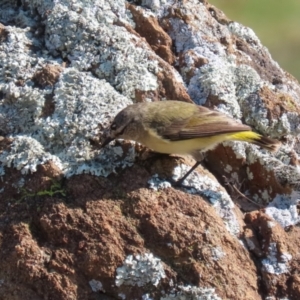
181,180
199,157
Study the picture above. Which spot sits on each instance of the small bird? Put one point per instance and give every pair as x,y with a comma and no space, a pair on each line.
176,127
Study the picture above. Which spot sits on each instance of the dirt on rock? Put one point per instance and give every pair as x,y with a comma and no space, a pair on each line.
53,246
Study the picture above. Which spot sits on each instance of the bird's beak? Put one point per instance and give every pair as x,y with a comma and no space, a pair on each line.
106,141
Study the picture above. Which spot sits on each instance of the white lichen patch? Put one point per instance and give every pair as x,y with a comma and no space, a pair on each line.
271,224
230,83
140,270
217,253
274,264
239,148
276,298
21,108
26,154
155,183
96,285
256,114
146,297
82,102
283,209
247,34
277,164
17,61
122,296
221,76
157,7
249,174
228,168
192,293
82,32
88,37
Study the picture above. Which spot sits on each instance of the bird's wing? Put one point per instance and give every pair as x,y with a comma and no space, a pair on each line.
203,123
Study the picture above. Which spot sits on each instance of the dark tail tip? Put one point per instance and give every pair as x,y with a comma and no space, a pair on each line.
268,143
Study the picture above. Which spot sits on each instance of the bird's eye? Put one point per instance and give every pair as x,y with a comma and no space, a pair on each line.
113,126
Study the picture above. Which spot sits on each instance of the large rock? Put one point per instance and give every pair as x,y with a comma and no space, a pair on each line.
80,222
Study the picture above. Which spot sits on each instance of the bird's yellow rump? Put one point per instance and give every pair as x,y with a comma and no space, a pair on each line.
176,127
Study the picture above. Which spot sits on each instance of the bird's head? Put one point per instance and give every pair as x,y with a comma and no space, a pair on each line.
124,126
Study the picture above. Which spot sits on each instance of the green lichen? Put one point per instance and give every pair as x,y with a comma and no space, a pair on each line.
55,188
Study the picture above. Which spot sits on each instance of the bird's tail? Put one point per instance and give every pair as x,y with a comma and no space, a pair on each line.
257,139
